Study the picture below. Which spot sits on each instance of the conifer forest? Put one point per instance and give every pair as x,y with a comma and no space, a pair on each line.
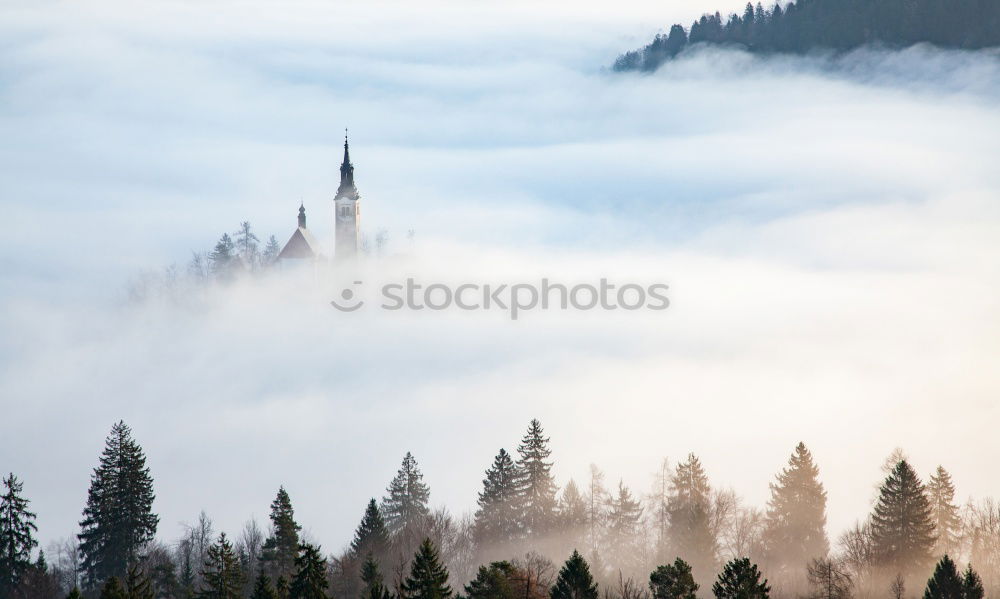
531,537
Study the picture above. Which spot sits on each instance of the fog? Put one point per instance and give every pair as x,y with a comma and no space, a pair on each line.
828,228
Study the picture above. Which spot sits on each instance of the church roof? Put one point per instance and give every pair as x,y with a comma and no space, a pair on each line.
301,245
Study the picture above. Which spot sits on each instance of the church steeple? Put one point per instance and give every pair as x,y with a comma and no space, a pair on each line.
302,216
347,188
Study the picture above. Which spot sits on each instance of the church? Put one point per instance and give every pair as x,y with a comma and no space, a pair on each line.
303,247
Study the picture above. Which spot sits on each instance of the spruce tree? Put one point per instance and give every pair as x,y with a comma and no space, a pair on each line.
74,593
496,520
673,581
221,576
262,588
688,511
282,547
113,589
944,512
428,577
574,580
405,506
902,528
573,516
118,520
945,583
17,539
137,584
310,574
795,526
536,489
371,538
972,584
740,580
496,581
624,535
374,584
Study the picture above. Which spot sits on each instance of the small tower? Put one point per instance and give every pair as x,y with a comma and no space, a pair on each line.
301,246
346,210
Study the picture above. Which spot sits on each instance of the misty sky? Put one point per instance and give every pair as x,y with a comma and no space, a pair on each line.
829,229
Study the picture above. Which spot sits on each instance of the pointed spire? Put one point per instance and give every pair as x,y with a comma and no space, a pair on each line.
302,215
347,188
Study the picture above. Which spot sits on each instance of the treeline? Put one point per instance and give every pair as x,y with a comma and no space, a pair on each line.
805,25
682,540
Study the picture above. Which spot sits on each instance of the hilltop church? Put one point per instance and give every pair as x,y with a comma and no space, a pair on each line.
303,247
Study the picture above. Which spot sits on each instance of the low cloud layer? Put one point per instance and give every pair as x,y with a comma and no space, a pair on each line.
827,226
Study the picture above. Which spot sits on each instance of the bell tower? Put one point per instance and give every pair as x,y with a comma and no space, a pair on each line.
346,210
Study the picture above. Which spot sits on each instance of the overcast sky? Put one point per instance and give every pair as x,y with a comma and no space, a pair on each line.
829,229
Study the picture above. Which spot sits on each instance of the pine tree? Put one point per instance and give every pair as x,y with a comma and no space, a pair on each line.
574,580
495,581
573,515
689,507
118,520
496,520
972,584
221,576
310,574
902,528
371,538
405,506
740,580
271,251
262,588
624,535
17,528
795,528
374,585
282,547
944,512
137,584
673,581
536,489
74,593
945,583
428,578
112,589
223,260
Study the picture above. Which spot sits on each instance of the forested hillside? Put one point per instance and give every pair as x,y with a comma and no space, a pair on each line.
685,538
806,25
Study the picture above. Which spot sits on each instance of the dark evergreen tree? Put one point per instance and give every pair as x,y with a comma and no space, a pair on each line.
221,576
371,538
496,581
374,585
945,583
944,512
118,520
17,535
223,261
740,580
673,581
574,580
902,528
262,588
972,584
137,584
688,511
310,574
428,577
113,589
74,593
282,547
405,505
536,489
496,520
795,528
